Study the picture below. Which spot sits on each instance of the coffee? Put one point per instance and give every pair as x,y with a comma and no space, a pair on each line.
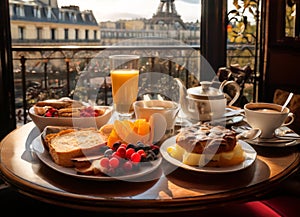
267,117
158,107
267,110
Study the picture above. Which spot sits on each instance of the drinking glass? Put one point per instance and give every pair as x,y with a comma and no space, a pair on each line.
124,73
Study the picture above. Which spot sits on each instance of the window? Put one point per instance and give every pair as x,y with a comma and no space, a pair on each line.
74,17
76,34
19,10
61,15
35,11
48,10
21,33
53,34
292,19
66,34
86,34
38,13
95,34
242,39
39,32
154,25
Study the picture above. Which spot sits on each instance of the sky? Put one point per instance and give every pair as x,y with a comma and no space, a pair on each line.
105,10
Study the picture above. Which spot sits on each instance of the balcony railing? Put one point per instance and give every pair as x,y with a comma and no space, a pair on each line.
52,72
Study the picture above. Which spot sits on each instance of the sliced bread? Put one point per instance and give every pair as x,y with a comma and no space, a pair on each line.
71,143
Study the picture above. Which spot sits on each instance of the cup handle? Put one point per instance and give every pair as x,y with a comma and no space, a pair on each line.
292,117
237,93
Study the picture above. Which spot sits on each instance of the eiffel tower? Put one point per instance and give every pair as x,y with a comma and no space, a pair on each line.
167,14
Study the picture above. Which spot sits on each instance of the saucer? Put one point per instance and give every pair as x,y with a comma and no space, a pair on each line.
273,142
231,120
228,121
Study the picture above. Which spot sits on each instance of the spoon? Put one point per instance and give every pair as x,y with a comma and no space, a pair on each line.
249,134
287,101
286,134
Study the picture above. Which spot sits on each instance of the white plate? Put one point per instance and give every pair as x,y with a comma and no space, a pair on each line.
45,157
250,156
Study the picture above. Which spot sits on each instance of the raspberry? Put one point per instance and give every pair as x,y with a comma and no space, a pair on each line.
48,114
115,154
104,162
121,151
127,166
114,162
129,152
135,157
123,145
142,153
97,113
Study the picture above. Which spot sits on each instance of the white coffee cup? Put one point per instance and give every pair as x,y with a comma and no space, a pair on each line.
143,109
267,117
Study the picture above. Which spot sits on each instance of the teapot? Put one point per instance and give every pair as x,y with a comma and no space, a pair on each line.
205,102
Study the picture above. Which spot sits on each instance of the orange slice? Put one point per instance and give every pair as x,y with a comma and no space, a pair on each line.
112,138
131,132
141,127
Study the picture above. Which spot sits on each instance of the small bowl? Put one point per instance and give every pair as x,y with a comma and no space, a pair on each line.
82,122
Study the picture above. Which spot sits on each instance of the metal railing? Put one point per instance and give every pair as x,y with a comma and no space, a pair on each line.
53,72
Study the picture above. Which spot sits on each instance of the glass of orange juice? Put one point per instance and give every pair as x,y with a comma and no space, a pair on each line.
124,73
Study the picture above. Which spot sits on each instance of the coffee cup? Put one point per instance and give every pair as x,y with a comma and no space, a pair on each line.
143,109
267,117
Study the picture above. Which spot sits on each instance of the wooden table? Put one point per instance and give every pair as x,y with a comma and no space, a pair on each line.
180,190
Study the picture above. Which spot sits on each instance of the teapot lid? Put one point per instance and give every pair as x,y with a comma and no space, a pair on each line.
205,90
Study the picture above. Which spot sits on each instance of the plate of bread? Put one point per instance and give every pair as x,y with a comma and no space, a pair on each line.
96,154
207,148
68,112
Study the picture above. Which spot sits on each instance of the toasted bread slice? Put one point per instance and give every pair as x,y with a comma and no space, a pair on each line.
72,143
69,112
60,104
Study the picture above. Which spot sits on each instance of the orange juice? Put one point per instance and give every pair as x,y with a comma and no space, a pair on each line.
124,88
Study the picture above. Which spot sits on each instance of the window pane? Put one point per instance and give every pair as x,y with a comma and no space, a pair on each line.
242,39
290,15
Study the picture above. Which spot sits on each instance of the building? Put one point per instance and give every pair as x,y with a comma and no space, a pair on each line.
42,22
112,32
165,23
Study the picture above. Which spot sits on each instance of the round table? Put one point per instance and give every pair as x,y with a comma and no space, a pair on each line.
176,190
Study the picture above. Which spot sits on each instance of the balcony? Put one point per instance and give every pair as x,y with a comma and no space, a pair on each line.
52,72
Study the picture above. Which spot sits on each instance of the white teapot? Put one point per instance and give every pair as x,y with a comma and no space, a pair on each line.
204,102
